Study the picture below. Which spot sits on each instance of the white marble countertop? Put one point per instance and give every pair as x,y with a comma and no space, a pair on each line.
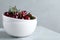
41,33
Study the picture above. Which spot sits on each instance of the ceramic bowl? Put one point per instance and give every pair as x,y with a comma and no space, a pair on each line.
19,27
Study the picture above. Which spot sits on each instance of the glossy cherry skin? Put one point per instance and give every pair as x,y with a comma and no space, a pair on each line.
6,13
27,17
23,13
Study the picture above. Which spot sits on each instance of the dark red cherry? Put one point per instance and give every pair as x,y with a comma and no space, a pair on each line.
23,13
10,14
27,17
14,16
6,13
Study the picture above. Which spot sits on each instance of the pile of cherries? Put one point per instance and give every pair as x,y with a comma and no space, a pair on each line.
15,13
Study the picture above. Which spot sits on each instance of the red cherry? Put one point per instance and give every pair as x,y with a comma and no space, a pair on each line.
14,16
11,14
23,13
6,13
27,17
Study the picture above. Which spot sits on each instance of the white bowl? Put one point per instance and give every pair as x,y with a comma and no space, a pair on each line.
19,27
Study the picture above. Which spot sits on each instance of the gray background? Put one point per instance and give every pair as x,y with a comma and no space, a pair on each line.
47,11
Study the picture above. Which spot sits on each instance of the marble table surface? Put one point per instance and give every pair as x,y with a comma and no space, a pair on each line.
41,33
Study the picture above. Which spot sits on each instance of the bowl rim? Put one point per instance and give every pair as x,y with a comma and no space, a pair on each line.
19,19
